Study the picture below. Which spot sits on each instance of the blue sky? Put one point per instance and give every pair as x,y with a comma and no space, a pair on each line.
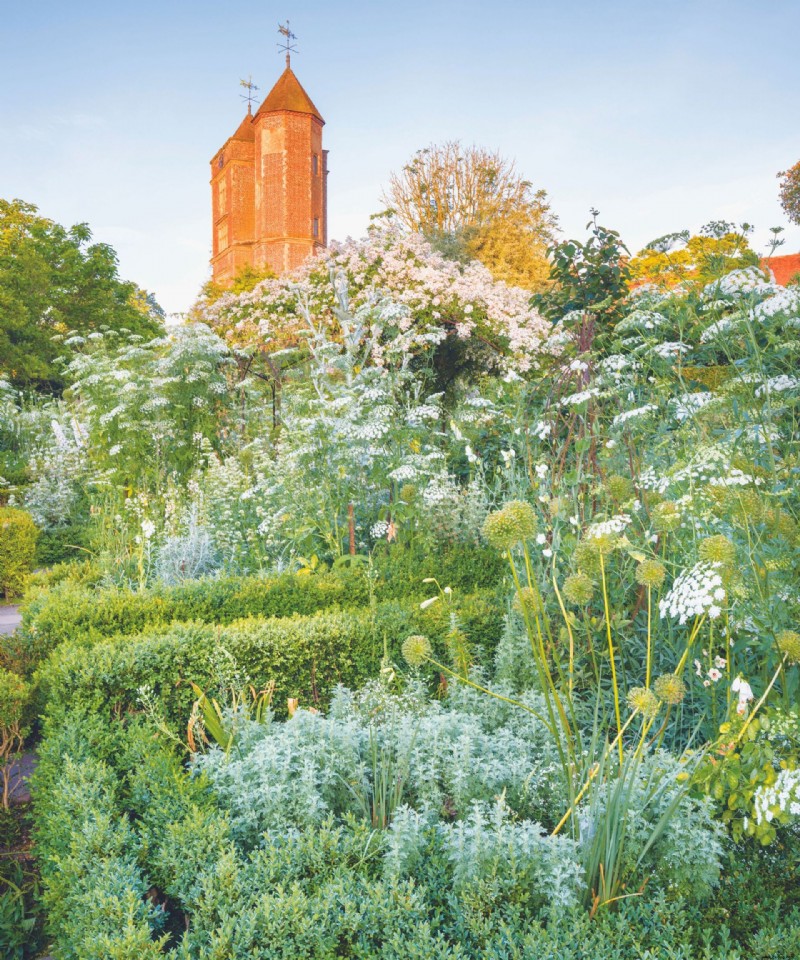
662,115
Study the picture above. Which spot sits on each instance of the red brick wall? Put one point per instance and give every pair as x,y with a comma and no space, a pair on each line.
784,267
232,208
266,196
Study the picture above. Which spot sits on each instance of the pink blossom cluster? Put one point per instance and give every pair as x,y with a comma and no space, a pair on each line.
389,264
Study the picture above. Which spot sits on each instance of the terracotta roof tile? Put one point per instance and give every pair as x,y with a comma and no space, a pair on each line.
246,129
784,268
288,94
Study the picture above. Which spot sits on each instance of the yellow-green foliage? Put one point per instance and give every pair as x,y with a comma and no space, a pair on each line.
18,536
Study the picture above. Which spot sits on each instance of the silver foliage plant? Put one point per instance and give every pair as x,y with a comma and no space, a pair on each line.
477,780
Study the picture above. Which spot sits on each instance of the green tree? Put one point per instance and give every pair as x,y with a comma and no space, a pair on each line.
55,282
590,280
679,258
471,204
790,192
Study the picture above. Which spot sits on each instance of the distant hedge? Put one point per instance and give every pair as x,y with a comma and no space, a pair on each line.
82,613
306,656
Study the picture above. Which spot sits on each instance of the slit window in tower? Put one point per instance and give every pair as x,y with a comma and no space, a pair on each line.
315,164
316,226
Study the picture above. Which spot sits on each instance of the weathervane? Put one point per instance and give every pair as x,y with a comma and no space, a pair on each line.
250,87
286,44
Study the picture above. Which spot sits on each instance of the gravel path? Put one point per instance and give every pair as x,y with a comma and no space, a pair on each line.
9,619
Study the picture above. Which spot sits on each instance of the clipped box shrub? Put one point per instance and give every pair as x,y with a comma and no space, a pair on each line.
306,656
18,535
70,613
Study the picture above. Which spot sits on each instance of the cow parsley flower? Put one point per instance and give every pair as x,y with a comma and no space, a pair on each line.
693,593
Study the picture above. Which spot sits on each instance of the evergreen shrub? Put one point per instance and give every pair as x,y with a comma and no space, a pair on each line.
306,656
18,534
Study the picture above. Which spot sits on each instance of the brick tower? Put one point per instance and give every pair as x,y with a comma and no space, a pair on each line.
269,196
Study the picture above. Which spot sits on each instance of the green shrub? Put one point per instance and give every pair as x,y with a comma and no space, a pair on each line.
62,544
14,693
68,612
306,656
18,535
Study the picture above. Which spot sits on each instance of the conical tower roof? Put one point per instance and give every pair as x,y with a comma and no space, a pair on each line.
288,94
246,129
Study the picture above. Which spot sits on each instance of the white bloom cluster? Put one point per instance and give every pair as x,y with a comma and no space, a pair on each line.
778,385
630,414
670,349
574,399
695,592
715,329
737,282
735,478
787,301
403,473
688,404
422,412
379,530
640,320
782,797
615,525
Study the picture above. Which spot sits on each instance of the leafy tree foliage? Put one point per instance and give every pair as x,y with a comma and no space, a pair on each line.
678,258
54,281
246,279
790,192
589,278
471,204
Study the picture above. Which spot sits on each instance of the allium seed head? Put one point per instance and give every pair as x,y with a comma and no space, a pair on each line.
665,517
587,556
619,488
651,573
526,601
789,645
408,493
579,589
513,524
669,688
643,700
416,650
718,549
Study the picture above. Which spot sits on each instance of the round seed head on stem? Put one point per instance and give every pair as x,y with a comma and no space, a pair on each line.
651,573
416,649
513,524
789,645
670,689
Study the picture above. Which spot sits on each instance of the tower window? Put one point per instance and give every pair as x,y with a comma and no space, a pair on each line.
315,164
221,161
316,226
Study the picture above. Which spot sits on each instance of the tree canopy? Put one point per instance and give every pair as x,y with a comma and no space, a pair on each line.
790,192
471,203
680,257
55,282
